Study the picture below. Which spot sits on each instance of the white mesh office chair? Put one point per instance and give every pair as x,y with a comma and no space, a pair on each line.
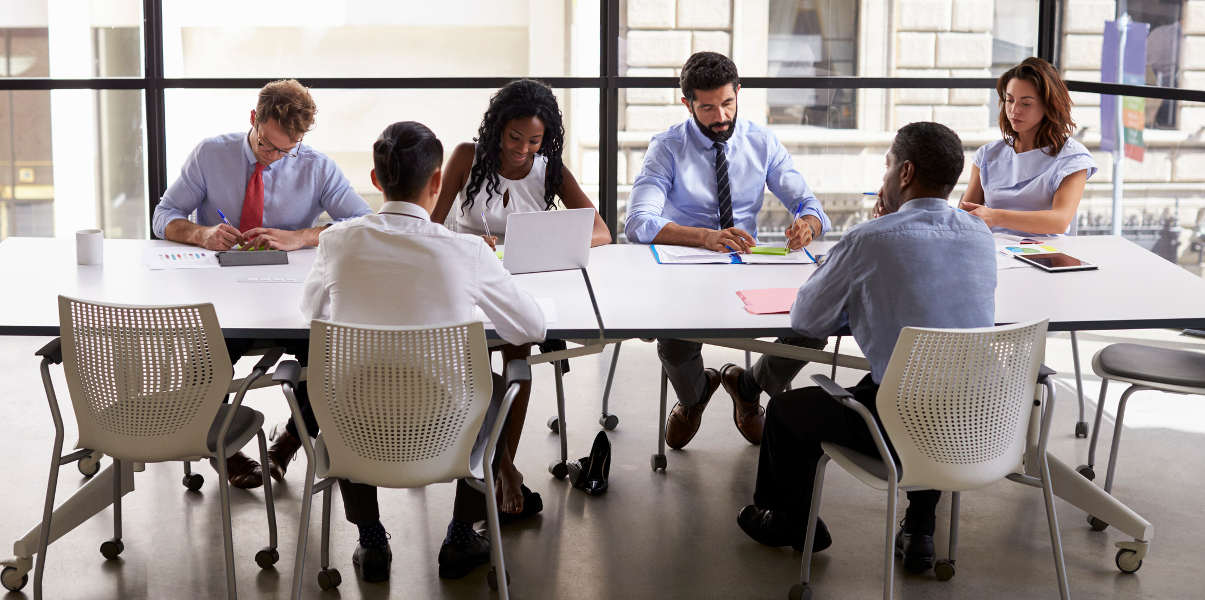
1144,368
958,406
399,407
147,384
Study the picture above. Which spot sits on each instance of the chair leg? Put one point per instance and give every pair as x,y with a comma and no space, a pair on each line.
955,508
1100,411
889,540
805,571
496,557
52,485
1056,538
608,420
268,499
659,458
117,465
1081,426
325,556
303,527
748,360
560,409
1121,415
227,535
836,352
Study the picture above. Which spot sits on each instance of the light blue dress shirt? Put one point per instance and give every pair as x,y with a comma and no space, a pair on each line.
296,190
926,265
1027,181
678,183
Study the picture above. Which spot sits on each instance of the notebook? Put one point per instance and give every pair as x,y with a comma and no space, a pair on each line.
761,255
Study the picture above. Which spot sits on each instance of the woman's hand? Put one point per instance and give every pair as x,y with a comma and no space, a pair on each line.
988,215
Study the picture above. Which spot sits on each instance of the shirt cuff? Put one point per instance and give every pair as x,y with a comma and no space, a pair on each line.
644,229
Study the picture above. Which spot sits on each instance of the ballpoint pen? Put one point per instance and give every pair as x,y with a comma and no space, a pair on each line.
222,215
799,215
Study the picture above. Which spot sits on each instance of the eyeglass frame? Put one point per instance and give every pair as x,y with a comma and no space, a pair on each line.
270,147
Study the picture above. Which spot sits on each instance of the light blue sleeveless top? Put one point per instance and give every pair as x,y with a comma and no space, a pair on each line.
1027,181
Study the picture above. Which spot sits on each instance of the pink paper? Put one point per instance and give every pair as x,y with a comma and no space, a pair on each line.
768,301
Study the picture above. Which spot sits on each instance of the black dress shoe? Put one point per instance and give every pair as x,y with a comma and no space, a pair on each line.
776,529
372,563
916,549
458,560
596,468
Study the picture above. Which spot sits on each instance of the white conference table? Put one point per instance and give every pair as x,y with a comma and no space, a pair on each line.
635,297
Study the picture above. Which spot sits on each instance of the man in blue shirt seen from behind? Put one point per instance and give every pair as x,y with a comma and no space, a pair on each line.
921,263
261,189
702,185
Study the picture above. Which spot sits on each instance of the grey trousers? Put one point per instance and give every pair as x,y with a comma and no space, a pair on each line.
683,364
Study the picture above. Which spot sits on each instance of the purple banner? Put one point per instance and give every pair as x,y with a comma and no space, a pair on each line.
1134,73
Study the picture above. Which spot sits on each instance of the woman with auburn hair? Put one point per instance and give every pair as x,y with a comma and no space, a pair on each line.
1031,181
514,165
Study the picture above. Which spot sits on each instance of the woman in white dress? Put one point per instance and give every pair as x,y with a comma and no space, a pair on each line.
1031,181
513,166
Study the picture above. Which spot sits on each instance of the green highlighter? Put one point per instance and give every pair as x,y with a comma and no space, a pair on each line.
498,253
769,250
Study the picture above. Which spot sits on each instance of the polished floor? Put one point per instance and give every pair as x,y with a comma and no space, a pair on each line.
653,535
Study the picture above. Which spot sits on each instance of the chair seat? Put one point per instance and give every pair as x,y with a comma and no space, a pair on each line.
246,422
868,469
1148,363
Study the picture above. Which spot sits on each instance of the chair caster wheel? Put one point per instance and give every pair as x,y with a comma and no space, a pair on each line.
88,465
491,578
1081,430
558,469
1098,525
609,422
267,557
1086,471
944,569
554,424
193,481
800,591
13,579
329,579
1127,561
112,549
658,462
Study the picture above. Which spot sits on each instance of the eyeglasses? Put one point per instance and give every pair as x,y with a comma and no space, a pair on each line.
269,147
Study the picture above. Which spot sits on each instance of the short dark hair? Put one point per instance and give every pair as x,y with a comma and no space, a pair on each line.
404,157
707,71
935,151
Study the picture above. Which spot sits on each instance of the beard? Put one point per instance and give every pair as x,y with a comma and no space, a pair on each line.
713,134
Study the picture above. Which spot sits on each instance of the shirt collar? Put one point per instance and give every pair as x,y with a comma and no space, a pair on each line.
247,153
924,204
408,209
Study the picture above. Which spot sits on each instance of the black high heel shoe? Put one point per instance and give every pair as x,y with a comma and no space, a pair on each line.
596,468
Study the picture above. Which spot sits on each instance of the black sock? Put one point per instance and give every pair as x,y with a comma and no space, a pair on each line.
459,533
750,391
373,535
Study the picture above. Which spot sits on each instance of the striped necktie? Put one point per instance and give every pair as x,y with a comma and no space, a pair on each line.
723,191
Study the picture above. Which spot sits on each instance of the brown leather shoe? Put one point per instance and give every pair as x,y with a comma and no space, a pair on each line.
281,453
243,471
683,422
748,415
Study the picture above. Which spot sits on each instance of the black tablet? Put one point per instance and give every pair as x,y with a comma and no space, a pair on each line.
1055,262
244,258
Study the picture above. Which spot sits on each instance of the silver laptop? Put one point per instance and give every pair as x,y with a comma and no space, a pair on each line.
550,240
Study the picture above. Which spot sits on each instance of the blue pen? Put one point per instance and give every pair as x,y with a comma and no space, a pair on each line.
222,215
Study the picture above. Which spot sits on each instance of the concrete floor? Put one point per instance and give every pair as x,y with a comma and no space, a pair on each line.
653,535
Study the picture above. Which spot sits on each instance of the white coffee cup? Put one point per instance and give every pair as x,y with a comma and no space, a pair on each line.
89,246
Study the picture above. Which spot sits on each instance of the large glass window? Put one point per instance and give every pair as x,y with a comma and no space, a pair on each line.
368,38
66,39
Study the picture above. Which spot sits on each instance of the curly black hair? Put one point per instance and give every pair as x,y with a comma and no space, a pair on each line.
517,99
707,71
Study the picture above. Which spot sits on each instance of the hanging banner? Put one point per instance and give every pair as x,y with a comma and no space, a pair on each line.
1133,110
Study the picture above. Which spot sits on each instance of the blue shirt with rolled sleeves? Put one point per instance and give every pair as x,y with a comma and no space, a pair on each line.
678,182
296,189
925,265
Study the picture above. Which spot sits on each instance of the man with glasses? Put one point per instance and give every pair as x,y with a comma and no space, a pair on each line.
260,189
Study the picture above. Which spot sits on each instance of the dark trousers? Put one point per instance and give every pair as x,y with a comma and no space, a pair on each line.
237,347
360,500
797,421
683,364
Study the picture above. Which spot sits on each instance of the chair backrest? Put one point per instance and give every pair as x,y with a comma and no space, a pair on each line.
145,381
399,406
955,403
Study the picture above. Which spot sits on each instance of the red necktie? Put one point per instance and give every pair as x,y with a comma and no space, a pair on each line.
253,201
